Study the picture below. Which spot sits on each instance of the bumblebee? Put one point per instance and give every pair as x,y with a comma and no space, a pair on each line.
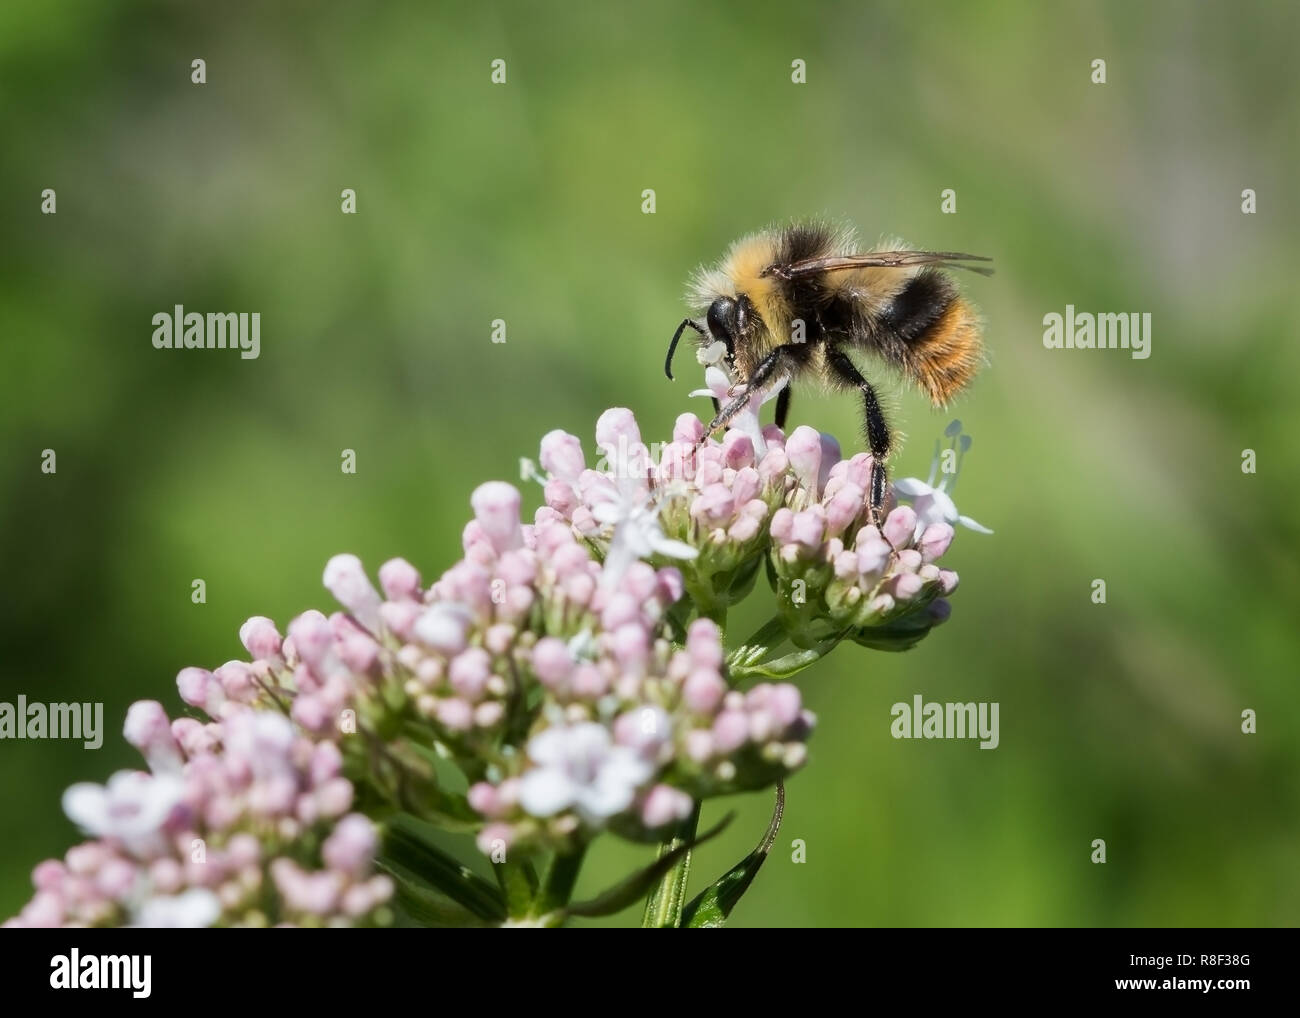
795,301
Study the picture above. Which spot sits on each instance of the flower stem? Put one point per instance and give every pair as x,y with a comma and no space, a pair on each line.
664,906
707,605
557,886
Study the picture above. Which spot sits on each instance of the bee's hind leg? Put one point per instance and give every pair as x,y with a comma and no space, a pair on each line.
877,429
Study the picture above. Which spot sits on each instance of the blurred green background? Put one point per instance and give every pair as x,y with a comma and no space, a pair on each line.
522,201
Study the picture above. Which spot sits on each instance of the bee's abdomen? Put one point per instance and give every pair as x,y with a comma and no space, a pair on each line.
933,333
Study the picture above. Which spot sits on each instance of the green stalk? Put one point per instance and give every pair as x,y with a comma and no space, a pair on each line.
557,887
664,906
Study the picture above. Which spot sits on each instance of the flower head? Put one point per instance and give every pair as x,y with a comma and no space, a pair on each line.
933,503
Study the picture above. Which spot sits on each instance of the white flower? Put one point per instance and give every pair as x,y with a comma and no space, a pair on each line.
131,809
579,767
626,504
637,534
194,909
932,503
746,421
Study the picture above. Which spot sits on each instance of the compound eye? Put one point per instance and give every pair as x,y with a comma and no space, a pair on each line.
722,319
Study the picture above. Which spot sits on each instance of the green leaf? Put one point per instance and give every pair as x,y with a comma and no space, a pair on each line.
409,853
635,887
897,634
418,906
519,883
712,906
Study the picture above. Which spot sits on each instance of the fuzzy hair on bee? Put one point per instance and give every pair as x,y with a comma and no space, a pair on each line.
793,302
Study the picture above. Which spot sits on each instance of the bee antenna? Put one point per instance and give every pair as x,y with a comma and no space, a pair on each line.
672,346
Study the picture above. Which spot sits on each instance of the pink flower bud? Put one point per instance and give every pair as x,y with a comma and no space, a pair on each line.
665,805
829,457
644,729
346,579
326,763
400,580
631,646
785,704
498,637
589,682
148,730
713,505
483,798
899,526
808,528
774,464
906,586
804,449
703,691
730,731
737,450
199,689
496,508
494,837
704,644
843,508
312,712
846,566
699,745
617,431
469,672
443,627
334,797
935,540
313,638
561,455
551,661
237,682
561,497
782,526
858,471
351,847
744,529
746,486
688,429
669,585
260,637
455,715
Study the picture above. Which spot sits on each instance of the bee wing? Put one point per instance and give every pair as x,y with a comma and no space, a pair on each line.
878,259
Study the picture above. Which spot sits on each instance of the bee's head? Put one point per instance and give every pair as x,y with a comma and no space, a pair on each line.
729,318
724,321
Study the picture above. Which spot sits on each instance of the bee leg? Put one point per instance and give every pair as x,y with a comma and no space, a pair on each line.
724,415
787,356
877,429
782,407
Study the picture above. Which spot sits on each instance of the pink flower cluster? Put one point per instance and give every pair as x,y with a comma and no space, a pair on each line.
573,668
634,749
214,832
851,576
731,503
